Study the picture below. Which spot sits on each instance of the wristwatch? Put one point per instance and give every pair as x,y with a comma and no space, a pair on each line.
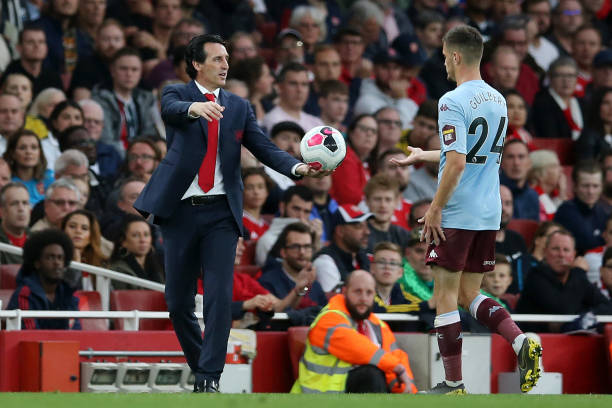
302,292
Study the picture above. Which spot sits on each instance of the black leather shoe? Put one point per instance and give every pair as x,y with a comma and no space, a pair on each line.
211,386
198,386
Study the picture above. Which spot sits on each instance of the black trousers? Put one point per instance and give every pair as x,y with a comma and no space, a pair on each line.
366,379
201,241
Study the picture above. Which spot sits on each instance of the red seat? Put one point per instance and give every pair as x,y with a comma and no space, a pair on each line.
268,32
564,147
5,296
511,299
248,256
8,275
608,337
90,300
145,300
297,344
526,228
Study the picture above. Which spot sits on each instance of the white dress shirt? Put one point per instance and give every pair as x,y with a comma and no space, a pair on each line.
194,189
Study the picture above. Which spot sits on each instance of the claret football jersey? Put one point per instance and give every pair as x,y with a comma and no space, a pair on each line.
472,120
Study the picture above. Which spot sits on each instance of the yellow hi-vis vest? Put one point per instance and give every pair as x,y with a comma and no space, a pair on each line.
320,371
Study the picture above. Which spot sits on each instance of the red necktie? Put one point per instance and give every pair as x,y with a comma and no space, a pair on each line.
361,328
123,135
206,175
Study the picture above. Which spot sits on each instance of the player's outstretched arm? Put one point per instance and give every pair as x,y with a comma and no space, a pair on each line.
417,155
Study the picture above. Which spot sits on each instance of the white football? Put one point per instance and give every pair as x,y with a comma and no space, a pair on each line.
323,147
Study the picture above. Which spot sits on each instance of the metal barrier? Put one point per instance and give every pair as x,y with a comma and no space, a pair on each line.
131,318
103,276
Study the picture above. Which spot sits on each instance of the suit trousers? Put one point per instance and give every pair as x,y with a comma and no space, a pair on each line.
201,241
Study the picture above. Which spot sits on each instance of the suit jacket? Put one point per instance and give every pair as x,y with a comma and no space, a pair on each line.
187,143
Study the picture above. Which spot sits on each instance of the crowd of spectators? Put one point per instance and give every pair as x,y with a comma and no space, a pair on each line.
81,133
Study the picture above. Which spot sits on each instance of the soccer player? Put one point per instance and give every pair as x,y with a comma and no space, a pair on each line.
461,223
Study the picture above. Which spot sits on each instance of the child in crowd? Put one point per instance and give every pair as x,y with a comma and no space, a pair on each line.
496,282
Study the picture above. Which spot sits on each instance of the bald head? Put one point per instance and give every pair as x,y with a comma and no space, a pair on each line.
359,294
360,277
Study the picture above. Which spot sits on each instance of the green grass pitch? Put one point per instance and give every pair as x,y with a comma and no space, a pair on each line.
58,400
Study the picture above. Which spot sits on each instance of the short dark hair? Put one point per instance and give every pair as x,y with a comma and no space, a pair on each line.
391,151
195,51
125,52
428,109
291,67
427,17
63,136
38,241
30,26
8,186
286,126
299,227
586,166
501,259
424,201
515,140
332,86
301,191
467,40
346,31
247,172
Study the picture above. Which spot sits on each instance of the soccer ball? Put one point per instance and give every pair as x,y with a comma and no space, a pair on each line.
323,147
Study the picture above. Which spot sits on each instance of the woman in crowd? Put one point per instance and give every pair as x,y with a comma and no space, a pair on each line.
83,229
134,254
255,73
65,114
517,117
25,157
596,138
547,178
351,176
256,190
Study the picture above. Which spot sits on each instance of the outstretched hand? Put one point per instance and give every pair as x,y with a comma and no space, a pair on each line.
208,110
415,156
309,171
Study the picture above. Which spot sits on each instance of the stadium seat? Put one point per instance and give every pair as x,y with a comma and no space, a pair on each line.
567,170
608,338
8,273
248,256
268,32
5,296
526,228
564,147
297,344
90,300
268,54
248,269
144,300
511,299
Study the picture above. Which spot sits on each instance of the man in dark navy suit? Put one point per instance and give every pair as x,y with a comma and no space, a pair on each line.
195,195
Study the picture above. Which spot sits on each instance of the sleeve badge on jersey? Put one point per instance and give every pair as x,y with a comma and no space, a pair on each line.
448,134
